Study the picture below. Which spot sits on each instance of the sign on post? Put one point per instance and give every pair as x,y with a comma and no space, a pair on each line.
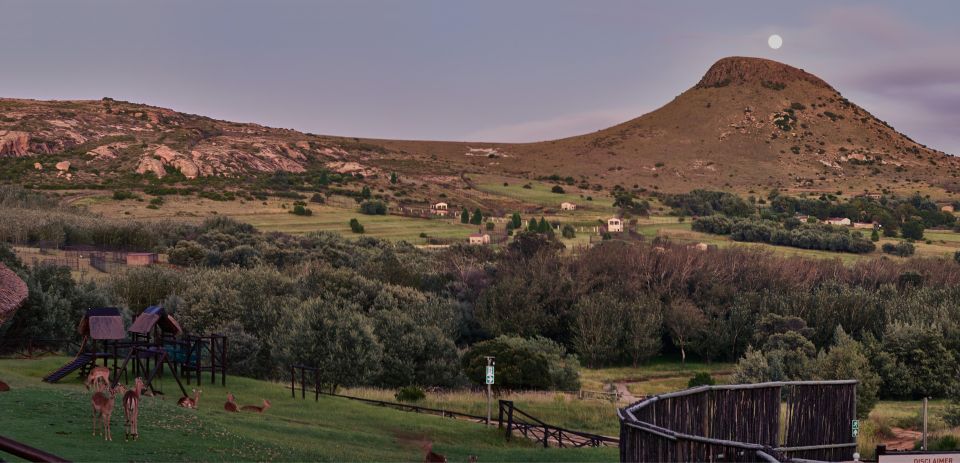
855,428
489,374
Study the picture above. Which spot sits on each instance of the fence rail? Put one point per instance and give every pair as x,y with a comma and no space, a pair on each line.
27,452
743,423
534,429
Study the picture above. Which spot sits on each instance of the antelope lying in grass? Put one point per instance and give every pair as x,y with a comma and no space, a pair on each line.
190,402
231,403
254,408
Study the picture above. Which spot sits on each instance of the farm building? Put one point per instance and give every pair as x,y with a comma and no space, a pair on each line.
568,207
866,225
838,221
947,208
614,225
440,209
479,238
141,259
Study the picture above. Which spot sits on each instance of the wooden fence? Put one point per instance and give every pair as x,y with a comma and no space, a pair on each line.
547,434
776,421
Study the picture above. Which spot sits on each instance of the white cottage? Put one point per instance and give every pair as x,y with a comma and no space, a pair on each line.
568,207
614,225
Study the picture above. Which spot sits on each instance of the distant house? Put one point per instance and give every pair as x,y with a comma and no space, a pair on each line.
947,208
866,225
843,221
479,238
872,195
568,207
701,246
141,259
440,209
614,225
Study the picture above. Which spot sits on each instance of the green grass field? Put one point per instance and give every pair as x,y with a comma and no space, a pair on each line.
57,418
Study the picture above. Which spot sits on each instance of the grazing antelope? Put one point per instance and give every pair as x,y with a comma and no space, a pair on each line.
99,377
231,404
254,408
188,402
131,410
4,387
103,402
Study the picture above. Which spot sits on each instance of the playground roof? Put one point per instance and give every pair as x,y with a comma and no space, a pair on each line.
155,316
13,291
102,323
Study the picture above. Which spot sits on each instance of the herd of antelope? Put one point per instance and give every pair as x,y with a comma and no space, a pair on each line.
103,401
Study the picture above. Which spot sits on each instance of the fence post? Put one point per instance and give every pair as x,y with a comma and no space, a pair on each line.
500,417
316,385
509,405
303,383
546,435
293,382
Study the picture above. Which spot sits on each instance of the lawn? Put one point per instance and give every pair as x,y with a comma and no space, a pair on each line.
539,193
57,418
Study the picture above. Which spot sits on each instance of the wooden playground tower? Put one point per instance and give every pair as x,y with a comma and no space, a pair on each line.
156,343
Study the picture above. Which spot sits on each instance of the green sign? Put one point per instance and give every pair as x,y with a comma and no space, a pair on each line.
489,374
855,427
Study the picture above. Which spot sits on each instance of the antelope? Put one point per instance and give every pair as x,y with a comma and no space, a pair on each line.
254,408
431,456
99,377
131,410
4,387
231,404
188,402
103,402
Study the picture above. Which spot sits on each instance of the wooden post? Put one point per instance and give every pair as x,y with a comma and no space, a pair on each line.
500,418
303,383
293,384
546,435
509,418
316,385
223,361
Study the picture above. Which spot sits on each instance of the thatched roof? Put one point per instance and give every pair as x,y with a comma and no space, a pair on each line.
102,323
13,291
155,316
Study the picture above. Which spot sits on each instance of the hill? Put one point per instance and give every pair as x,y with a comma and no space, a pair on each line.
748,124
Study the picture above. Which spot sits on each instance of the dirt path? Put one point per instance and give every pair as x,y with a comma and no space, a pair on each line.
624,391
903,439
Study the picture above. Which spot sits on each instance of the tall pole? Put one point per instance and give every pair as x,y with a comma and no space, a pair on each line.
489,381
924,447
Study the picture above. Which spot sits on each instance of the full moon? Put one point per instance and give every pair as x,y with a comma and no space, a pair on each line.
775,41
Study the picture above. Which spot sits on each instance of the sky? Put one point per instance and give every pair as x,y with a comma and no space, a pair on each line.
491,70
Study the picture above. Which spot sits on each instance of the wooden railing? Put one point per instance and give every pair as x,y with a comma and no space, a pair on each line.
532,428
27,452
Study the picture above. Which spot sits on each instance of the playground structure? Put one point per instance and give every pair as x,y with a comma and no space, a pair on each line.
771,422
154,343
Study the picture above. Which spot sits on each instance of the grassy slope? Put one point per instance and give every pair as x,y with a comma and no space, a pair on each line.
57,418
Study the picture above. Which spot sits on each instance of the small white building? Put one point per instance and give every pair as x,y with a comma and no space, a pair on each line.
568,207
479,238
440,209
614,225
842,221
865,225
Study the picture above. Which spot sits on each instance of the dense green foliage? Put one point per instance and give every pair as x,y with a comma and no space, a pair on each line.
705,202
802,235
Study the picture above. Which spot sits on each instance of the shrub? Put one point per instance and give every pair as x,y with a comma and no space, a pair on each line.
373,208
902,249
524,363
355,226
701,379
410,394
490,226
120,195
318,198
557,189
300,210
569,232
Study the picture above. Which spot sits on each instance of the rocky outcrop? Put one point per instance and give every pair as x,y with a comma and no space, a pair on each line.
14,143
738,70
63,166
149,164
187,167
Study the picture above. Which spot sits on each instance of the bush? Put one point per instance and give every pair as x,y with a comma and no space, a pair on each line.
373,208
701,379
355,226
410,394
301,210
902,249
557,189
524,363
318,198
120,195
569,232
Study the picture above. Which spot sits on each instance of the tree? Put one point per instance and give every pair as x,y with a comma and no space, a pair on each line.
393,178
642,325
365,192
874,236
187,254
569,232
533,226
373,208
355,226
335,337
524,363
465,216
912,229
597,326
516,221
543,226
557,189
846,360
684,321
477,218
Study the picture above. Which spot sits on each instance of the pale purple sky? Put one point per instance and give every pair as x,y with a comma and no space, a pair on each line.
491,70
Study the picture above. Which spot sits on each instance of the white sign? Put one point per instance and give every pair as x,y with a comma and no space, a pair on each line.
919,457
489,374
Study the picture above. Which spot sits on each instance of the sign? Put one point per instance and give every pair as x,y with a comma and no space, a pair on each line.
855,428
490,374
919,457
